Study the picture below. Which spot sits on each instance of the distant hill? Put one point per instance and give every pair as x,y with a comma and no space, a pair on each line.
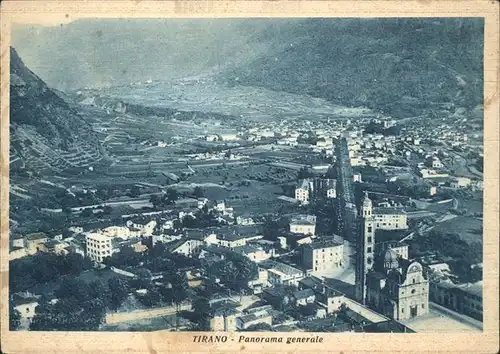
46,134
402,67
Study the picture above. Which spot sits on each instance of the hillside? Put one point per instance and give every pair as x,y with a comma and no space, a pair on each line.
46,134
403,67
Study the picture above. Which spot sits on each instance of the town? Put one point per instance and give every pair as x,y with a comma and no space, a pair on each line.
362,223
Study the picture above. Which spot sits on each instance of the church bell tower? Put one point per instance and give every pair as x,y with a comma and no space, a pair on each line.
365,248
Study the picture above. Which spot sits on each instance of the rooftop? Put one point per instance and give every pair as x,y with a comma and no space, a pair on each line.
98,237
246,249
36,236
303,294
254,316
324,242
388,211
281,267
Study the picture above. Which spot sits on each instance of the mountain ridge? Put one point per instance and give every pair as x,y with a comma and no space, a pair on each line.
46,134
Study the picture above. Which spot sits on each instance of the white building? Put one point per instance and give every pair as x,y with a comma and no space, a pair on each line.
303,191
304,224
460,182
283,274
390,218
323,254
98,247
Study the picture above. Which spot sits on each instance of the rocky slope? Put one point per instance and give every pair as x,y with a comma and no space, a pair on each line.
46,134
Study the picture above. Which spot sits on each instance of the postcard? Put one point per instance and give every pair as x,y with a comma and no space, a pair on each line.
249,176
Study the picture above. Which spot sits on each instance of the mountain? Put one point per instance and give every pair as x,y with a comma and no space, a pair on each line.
401,67
46,134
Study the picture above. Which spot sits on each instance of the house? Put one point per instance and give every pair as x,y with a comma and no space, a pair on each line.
17,240
17,252
325,296
323,254
34,241
303,224
117,231
303,191
224,320
26,304
254,316
304,297
256,254
260,282
99,247
54,246
237,235
281,273
189,247
460,182
207,235
241,220
214,253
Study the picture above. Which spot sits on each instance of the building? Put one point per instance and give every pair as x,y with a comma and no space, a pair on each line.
303,191
54,246
323,254
261,314
400,248
256,254
188,247
465,298
390,218
325,186
460,182
34,242
304,297
392,285
310,188
303,224
17,252
99,247
365,248
224,320
237,235
398,288
282,274
324,295
26,304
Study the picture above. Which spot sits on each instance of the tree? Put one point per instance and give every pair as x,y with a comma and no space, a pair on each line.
143,280
119,292
135,191
126,257
172,195
198,192
203,313
87,213
107,209
151,298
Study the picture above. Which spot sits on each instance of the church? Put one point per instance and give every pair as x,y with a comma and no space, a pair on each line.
386,280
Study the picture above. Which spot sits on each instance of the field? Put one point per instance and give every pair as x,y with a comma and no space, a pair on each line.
470,229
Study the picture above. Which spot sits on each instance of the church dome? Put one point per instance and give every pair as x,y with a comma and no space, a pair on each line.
391,259
390,255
